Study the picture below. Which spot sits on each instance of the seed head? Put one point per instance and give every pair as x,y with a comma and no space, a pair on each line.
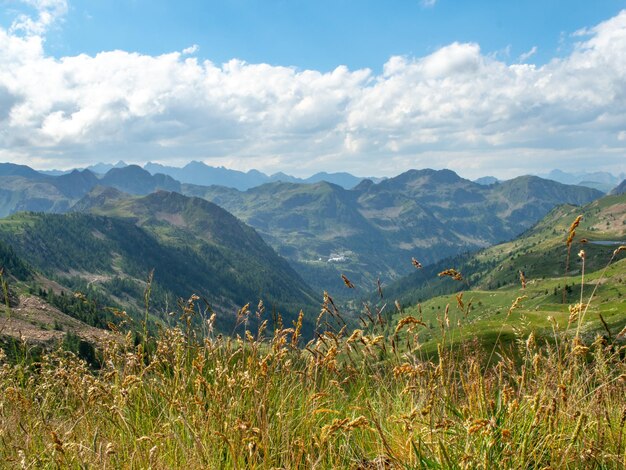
572,230
453,273
347,282
516,304
408,321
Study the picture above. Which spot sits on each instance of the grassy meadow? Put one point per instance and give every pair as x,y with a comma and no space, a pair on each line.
509,378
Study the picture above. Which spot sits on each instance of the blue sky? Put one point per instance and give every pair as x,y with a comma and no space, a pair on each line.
322,34
370,87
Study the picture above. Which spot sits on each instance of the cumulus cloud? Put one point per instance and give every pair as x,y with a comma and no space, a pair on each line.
457,107
47,11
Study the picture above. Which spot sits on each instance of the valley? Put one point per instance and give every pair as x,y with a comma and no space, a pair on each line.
373,230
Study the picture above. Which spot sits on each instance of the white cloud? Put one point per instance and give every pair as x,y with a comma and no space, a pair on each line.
456,106
48,11
428,3
191,50
527,55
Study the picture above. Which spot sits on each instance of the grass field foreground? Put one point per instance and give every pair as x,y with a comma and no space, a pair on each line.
370,398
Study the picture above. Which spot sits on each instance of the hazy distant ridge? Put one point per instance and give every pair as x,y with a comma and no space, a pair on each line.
600,180
202,174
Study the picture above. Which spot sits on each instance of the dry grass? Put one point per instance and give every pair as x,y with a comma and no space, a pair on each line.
343,401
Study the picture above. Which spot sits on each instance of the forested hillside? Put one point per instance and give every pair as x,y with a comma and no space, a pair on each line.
115,256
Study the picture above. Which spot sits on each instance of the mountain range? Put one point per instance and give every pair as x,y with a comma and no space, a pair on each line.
286,242
202,174
325,230
24,189
199,173
528,284
375,229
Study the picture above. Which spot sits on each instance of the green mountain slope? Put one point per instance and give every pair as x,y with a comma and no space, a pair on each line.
37,314
310,224
12,265
374,229
553,282
22,194
193,246
485,317
540,253
234,250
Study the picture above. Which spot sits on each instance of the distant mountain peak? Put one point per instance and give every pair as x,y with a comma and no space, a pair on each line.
280,174
600,180
364,185
443,176
13,169
199,173
487,180
127,169
135,180
619,189
107,192
163,195
196,164
102,168
98,197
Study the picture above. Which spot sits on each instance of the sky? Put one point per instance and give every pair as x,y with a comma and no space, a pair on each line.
371,87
